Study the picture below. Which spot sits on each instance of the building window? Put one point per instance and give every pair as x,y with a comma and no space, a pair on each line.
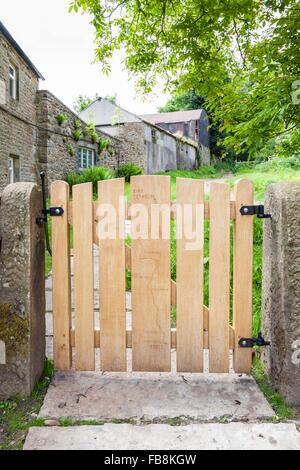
13,169
197,130
186,130
85,158
13,81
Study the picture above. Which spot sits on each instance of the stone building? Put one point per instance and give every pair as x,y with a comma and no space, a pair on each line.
191,124
19,81
37,131
151,147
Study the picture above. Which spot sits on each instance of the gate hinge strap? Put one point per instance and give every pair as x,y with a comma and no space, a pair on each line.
255,210
250,342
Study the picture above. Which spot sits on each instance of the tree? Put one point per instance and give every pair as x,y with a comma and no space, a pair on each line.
82,102
242,55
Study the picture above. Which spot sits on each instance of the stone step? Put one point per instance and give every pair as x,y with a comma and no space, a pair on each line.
211,436
153,395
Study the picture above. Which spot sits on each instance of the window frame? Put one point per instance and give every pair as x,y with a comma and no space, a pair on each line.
13,81
81,149
14,174
11,172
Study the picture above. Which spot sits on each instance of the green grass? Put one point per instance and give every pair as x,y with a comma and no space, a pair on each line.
276,401
262,180
18,414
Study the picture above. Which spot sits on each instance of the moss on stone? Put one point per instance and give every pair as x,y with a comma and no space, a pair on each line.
13,331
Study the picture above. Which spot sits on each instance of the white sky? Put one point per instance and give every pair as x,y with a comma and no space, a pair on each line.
60,45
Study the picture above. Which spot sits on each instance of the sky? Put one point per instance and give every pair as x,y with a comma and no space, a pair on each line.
60,45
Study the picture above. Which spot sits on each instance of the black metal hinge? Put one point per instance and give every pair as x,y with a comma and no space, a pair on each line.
250,342
255,210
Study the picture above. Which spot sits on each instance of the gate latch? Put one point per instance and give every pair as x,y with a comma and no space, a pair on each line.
53,211
255,210
250,342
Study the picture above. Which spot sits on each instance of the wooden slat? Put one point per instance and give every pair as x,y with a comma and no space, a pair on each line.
219,277
172,212
189,314
83,276
173,338
242,274
128,257
151,286
112,274
61,280
173,293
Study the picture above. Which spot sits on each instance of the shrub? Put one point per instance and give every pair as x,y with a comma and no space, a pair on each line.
103,143
77,135
61,118
91,175
128,170
71,150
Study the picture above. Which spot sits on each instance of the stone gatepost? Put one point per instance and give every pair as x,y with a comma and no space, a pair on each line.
22,290
281,289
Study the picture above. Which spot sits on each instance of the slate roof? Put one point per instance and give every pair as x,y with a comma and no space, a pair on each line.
20,51
175,116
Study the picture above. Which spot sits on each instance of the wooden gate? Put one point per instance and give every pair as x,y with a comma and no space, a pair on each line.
151,338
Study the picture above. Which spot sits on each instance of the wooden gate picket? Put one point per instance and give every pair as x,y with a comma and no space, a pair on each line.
153,292
219,277
190,275
150,271
242,275
83,276
112,275
61,280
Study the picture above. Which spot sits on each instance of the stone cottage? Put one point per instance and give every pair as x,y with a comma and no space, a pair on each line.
151,147
37,131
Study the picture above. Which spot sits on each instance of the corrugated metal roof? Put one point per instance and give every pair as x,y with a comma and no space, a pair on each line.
175,116
20,51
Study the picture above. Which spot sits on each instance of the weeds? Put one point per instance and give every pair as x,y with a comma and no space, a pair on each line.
276,401
18,414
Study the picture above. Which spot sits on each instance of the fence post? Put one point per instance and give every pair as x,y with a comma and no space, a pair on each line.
281,289
22,290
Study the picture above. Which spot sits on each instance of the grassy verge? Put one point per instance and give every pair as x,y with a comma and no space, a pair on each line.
283,412
18,414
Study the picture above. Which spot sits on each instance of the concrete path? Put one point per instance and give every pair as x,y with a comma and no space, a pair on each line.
215,436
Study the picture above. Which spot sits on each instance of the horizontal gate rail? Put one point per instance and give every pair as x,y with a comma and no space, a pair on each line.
173,342
172,210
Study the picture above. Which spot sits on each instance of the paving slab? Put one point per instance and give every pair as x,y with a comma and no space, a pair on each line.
212,436
154,396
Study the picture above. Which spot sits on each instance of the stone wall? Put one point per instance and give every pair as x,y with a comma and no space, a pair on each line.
53,150
22,290
17,137
131,144
281,289
205,156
